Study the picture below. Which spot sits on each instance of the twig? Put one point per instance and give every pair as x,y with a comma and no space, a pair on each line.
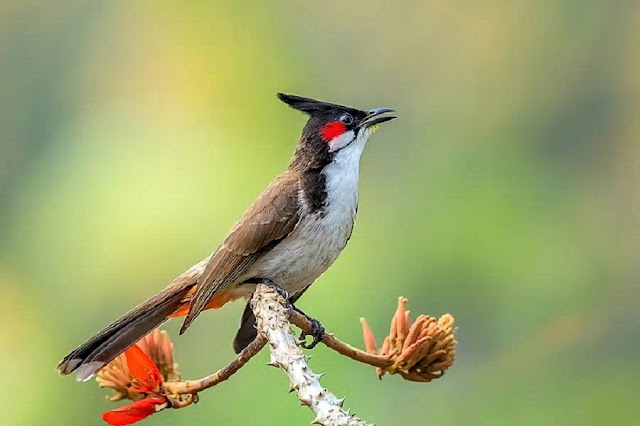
195,386
339,346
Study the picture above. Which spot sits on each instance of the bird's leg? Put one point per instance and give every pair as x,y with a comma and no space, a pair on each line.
317,330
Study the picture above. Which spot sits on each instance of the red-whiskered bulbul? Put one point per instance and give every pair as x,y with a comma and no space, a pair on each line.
287,238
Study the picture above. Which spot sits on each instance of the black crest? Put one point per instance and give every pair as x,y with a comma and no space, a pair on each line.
315,107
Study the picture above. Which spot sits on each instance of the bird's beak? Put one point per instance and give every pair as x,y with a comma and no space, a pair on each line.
377,116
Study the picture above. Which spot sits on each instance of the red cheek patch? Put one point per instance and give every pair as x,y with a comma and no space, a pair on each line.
332,130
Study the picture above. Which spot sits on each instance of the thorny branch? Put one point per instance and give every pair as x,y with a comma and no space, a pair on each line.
273,323
300,321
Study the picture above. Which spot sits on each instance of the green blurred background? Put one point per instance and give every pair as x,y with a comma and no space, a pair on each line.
133,134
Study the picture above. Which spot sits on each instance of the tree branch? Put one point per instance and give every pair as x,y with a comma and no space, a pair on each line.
300,321
419,352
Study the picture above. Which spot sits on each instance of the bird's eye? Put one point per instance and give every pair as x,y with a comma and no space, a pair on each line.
346,118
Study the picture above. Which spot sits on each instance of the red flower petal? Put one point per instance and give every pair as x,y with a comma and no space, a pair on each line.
133,412
143,370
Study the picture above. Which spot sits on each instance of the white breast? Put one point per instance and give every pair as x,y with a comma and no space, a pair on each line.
319,237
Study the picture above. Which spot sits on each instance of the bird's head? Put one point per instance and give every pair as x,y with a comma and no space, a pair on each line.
332,128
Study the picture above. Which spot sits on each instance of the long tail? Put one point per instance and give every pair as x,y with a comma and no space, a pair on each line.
102,348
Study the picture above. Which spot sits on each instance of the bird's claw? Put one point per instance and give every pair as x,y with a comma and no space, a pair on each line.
317,331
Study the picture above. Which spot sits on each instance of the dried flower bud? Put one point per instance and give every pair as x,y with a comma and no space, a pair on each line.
420,352
369,340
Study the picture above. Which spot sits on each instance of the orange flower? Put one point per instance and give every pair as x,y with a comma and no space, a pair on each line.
140,374
146,375
134,412
146,380
142,369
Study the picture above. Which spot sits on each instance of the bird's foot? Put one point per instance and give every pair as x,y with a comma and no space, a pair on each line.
317,332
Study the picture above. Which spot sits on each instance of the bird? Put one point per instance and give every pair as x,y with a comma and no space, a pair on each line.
291,234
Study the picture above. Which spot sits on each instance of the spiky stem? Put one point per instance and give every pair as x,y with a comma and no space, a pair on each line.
273,324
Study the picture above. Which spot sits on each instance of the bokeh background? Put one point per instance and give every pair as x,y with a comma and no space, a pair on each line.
133,134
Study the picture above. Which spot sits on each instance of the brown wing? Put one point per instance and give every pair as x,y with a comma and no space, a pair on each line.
266,222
